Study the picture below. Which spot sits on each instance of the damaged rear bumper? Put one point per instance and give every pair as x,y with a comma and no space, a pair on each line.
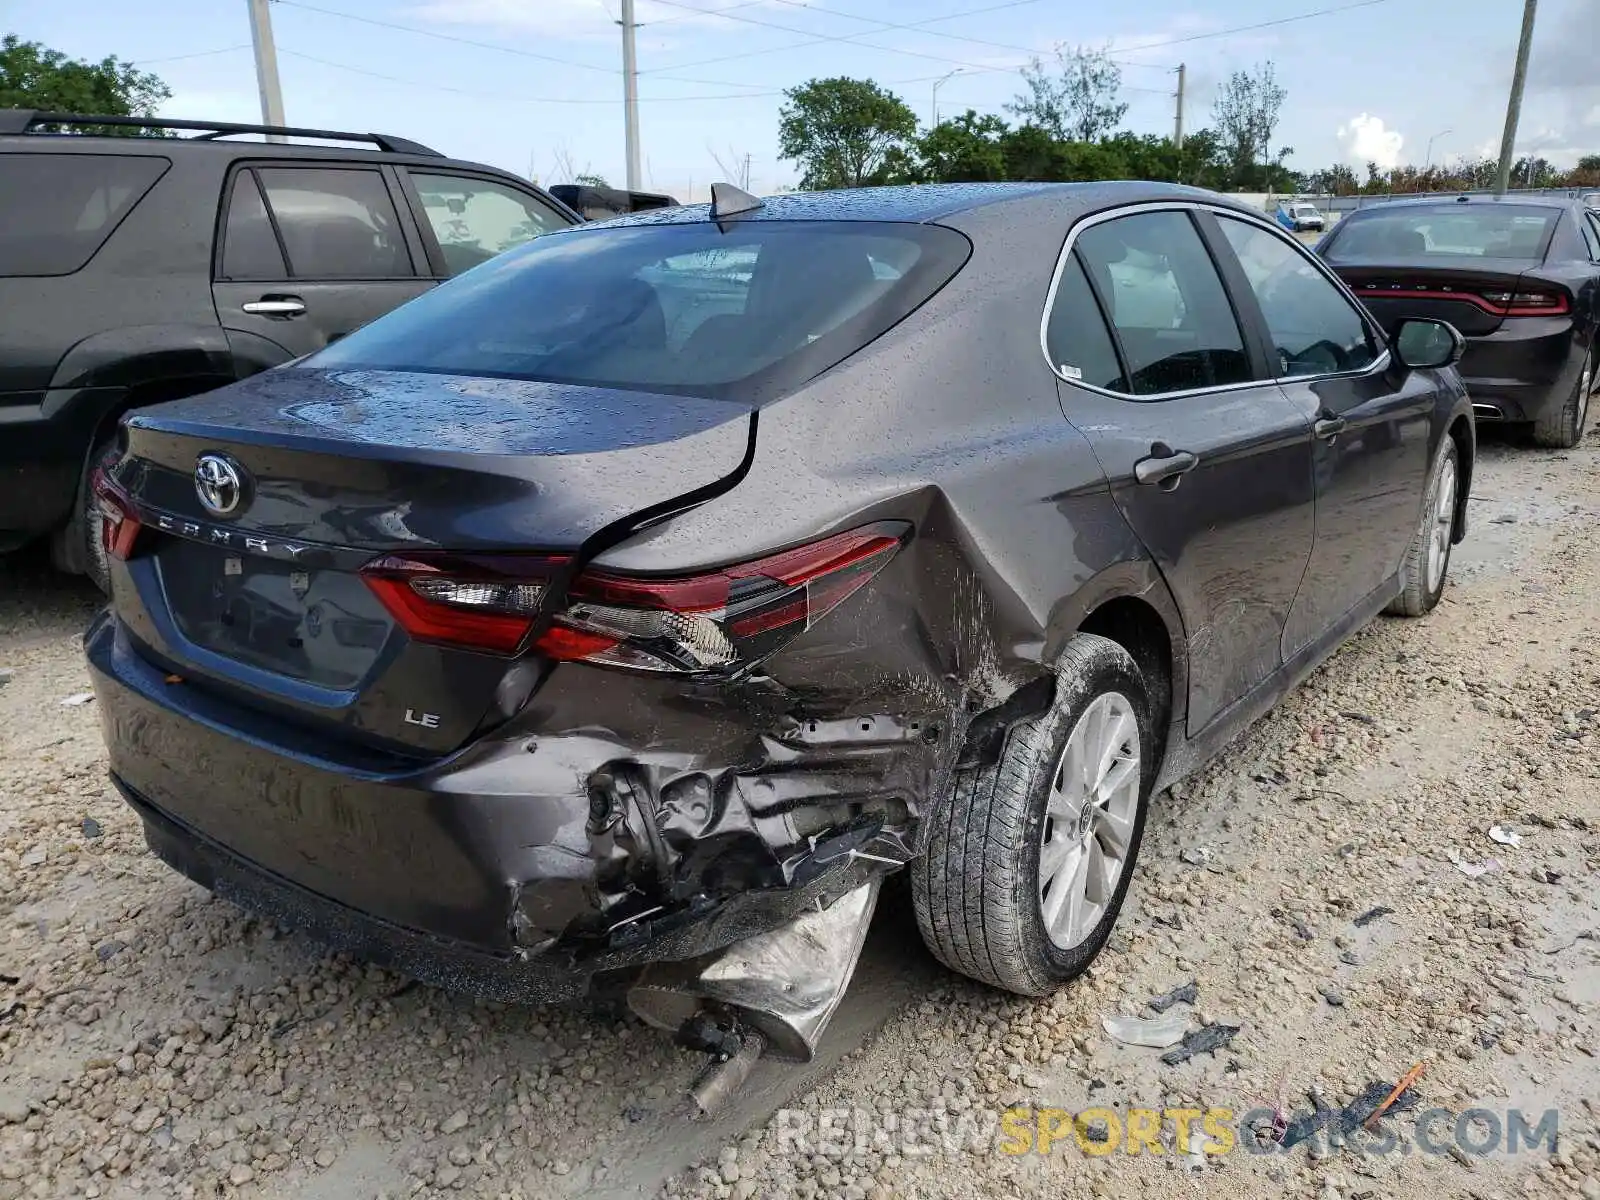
545,857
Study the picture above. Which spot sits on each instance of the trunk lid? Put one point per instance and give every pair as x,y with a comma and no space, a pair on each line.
338,468
1451,291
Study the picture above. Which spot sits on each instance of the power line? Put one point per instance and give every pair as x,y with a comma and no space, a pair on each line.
1216,33
436,86
149,62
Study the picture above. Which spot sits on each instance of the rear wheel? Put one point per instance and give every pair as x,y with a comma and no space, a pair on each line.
1427,560
1562,428
1030,859
76,547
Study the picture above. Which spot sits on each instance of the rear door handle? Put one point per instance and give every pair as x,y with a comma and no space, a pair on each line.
275,306
1165,466
1329,427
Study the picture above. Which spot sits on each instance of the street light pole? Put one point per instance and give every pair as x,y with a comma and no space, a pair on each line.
1428,160
1519,77
266,67
937,83
630,94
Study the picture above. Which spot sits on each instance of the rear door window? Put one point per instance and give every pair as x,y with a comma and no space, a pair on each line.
1080,345
59,209
1167,305
476,219
250,248
337,223
1590,225
743,313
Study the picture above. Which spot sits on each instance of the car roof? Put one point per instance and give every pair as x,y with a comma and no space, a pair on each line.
925,202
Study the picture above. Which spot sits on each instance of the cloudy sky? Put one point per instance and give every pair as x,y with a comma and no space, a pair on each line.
535,86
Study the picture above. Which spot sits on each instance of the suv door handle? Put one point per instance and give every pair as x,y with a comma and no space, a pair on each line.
275,306
1328,427
1165,466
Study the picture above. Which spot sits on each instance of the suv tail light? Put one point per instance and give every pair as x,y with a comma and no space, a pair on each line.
712,621
119,527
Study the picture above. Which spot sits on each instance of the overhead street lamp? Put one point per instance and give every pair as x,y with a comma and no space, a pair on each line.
1428,161
936,84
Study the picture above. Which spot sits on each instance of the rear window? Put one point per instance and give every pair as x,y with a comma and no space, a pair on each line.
741,314
60,208
1483,231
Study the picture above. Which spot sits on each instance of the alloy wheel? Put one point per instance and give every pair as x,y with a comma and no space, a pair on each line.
1443,524
1089,820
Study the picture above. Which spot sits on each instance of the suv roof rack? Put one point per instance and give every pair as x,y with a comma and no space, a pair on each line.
20,120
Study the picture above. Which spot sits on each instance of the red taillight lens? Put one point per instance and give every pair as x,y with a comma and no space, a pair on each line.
720,619
1528,304
119,527
711,621
480,603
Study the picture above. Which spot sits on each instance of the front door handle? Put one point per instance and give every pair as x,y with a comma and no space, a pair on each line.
1328,427
1165,466
275,306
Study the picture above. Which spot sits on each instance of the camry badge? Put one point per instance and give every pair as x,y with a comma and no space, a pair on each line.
219,483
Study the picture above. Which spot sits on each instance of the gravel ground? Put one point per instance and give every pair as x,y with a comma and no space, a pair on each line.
154,1041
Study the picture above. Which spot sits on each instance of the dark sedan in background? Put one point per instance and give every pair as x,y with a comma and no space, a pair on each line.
1518,276
617,614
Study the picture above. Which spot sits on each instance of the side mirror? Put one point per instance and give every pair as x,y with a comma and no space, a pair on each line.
1421,344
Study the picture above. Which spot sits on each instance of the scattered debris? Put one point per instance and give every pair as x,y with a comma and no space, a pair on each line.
1359,716
1349,959
1473,870
1333,996
1406,1081
1375,1099
1193,1148
77,699
1197,856
1371,915
1301,930
1187,993
1506,837
106,951
91,828
1202,1041
1156,1032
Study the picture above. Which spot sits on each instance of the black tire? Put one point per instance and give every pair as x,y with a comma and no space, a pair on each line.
1561,428
1421,595
76,547
976,886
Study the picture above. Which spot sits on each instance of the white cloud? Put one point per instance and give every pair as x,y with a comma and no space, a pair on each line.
1364,139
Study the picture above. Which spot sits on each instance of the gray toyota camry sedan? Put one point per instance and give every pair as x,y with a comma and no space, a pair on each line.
615,617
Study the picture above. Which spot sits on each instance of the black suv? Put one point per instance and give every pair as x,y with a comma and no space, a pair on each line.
141,269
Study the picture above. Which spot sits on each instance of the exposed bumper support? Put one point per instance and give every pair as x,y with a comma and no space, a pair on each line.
785,983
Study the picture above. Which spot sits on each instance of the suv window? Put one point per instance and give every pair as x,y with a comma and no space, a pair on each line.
1079,343
250,249
60,208
1168,308
337,223
1315,329
475,219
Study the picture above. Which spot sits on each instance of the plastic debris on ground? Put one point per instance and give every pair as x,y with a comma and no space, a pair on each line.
1352,1116
1202,1041
1473,870
1186,993
1506,837
1371,915
1155,1032
77,698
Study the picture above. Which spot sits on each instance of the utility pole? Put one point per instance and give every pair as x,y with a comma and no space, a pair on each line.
1519,77
937,84
266,67
745,182
1177,124
630,93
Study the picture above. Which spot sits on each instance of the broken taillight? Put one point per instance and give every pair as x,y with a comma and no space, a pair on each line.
477,602
709,621
119,527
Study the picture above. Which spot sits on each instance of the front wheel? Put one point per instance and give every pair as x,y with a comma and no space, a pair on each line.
1030,859
1427,559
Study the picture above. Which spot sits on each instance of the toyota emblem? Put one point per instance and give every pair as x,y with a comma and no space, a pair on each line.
219,482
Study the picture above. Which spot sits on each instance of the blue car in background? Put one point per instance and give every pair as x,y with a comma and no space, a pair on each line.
1300,216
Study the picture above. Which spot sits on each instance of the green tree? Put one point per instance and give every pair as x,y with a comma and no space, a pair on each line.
1077,101
845,133
963,150
34,76
1246,112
